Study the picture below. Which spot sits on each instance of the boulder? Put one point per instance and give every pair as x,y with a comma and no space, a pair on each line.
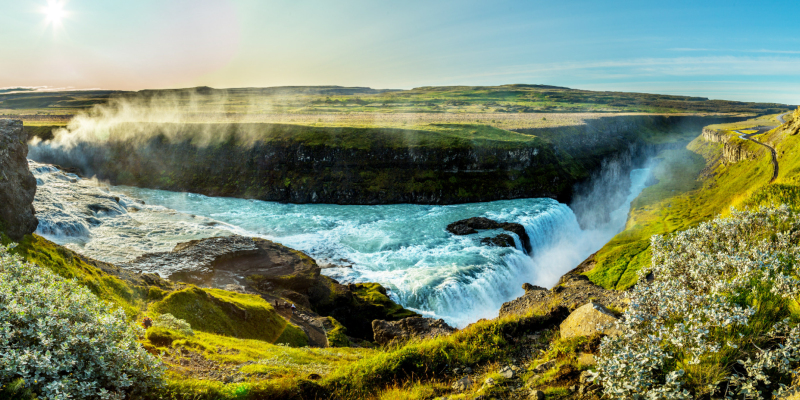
507,372
536,395
272,270
17,184
588,320
247,262
587,359
407,328
501,240
527,287
462,384
472,225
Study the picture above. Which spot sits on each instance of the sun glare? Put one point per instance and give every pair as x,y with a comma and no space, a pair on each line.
54,12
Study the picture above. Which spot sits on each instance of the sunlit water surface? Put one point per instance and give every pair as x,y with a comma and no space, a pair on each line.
405,247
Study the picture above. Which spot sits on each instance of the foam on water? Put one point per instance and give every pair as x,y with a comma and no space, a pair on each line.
404,246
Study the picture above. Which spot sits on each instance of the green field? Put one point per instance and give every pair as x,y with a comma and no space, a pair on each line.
506,107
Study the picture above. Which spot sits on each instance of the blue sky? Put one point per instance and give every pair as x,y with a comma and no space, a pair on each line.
736,50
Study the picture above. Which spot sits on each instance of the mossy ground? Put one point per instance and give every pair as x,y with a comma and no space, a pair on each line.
694,185
69,265
232,314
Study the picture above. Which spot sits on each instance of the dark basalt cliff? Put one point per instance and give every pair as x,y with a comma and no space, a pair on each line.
301,164
17,184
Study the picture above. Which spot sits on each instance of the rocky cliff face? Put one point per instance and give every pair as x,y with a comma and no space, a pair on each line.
17,184
375,170
293,172
737,150
714,135
734,149
792,126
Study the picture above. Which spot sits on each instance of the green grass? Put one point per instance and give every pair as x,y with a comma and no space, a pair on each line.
428,359
504,99
414,390
227,313
68,264
275,371
693,186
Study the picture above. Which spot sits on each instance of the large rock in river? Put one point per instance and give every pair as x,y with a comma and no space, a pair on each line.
221,261
17,184
472,225
407,328
274,271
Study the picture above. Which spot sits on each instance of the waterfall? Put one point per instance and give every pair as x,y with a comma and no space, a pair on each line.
405,247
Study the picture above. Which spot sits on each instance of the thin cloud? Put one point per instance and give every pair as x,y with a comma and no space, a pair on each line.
652,67
762,51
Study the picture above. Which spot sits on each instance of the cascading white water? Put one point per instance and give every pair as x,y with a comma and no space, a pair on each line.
403,246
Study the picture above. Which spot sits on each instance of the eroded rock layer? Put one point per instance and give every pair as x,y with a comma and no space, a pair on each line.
17,184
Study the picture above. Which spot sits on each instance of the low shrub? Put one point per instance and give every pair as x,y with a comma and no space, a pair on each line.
717,318
64,342
168,321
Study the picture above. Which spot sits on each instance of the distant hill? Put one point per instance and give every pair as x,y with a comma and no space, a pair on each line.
515,98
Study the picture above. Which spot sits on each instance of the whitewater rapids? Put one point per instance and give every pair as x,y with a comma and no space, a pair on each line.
404,247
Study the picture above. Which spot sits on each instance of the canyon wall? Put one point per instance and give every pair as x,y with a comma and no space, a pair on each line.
372,166
17,184
734,149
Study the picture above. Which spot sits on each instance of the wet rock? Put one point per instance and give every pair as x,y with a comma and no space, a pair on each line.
588,320
501,240
489,382
17,184
407,328
527,287
472,225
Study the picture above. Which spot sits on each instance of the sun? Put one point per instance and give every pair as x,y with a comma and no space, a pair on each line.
54,12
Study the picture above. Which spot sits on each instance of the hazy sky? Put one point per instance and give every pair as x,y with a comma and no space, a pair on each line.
737,50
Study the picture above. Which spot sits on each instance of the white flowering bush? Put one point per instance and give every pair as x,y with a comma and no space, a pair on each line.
715,318
63,341
168,321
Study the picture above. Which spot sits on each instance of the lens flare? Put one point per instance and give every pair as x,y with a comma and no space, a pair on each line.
54,12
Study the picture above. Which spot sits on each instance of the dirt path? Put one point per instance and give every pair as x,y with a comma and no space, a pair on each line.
771,149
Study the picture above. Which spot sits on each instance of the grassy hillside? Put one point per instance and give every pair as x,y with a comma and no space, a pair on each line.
446,99
695,184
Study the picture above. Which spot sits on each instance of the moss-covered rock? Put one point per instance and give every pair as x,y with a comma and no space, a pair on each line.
238,315
163,337
356,305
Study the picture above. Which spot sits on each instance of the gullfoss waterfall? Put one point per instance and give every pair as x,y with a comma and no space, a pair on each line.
405,247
